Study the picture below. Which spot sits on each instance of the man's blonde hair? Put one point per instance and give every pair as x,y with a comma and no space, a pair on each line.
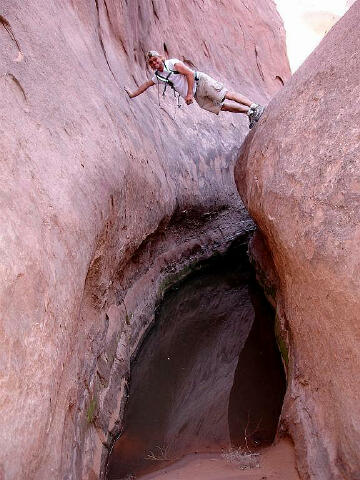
152,53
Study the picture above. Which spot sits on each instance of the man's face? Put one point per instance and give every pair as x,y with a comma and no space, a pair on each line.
155,63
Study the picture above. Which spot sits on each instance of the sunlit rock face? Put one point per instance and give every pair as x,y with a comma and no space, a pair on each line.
298,173
102,198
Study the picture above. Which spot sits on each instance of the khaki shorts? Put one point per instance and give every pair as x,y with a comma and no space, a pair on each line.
210,94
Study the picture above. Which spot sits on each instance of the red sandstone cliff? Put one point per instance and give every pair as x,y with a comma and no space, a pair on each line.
298,173
102,198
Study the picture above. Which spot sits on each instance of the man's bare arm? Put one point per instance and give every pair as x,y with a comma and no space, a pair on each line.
189,74
140,90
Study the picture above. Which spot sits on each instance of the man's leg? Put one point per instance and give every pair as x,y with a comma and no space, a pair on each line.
234,108
238,98
243,105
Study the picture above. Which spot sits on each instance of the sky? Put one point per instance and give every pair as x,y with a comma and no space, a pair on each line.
306,22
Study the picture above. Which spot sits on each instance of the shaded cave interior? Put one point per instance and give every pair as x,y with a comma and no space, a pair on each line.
208,376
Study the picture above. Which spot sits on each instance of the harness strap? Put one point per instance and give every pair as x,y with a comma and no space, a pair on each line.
170,83
165,80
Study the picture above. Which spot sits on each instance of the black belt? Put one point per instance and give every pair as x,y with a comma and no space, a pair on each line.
196,76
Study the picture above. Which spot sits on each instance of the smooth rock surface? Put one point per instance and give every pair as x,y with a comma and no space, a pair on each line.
103,198
298,173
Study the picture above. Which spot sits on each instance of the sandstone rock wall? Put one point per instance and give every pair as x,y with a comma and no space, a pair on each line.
103,198
298,173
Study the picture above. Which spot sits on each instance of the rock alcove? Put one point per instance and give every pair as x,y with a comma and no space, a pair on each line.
208,375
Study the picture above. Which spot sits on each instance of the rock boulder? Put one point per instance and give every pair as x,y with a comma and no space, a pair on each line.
298,174
104,200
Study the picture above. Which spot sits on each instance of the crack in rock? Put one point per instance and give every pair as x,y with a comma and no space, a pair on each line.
9,30
101,40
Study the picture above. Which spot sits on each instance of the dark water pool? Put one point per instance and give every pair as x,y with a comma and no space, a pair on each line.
208,375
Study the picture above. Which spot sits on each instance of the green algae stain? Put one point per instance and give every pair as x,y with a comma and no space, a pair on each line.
282,344
91,410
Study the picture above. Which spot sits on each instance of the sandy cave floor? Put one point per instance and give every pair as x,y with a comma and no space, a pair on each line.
276,463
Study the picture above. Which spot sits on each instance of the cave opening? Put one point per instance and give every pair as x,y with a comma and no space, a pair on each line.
208,376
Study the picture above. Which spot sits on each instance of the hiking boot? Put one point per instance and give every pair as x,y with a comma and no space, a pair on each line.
250,114
251,119
254,114
258,111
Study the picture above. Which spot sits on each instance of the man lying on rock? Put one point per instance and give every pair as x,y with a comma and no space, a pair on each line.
209,94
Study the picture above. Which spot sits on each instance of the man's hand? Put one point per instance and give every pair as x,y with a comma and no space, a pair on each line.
189,74
128,92
140,90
